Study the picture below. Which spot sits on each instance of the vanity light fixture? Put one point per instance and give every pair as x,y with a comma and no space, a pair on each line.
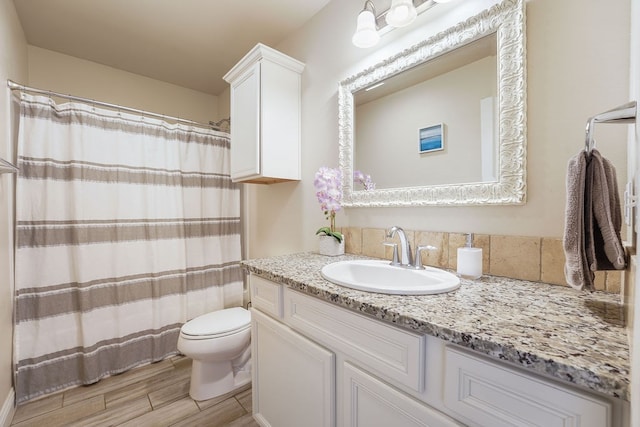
401,13
366,34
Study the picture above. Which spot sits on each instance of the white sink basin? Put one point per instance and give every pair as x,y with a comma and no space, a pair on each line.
379,276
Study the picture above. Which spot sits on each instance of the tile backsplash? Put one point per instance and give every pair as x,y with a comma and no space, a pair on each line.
537,259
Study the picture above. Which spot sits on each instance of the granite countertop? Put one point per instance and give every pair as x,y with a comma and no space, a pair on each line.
553,330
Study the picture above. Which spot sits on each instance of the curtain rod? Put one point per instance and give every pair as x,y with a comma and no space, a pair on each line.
16,86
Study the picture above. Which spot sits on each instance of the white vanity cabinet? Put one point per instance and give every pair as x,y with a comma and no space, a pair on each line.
265,117
315,363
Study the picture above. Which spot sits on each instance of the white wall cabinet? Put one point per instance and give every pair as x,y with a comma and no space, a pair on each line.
318,364
265,117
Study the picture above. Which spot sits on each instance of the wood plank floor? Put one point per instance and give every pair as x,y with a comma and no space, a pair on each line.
156,395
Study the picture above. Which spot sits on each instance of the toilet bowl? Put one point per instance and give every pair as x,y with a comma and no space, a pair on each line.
219,345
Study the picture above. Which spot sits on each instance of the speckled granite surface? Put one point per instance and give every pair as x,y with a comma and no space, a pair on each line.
573,336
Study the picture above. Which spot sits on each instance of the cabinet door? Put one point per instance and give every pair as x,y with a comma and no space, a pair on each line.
369,402
293,378
245,128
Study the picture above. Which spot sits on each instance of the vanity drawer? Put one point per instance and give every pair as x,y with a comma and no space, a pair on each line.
390,352
490,394
266,296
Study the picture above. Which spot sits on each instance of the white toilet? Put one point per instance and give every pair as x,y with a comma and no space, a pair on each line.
219,344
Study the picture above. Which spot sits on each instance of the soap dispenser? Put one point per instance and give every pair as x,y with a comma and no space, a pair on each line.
469,260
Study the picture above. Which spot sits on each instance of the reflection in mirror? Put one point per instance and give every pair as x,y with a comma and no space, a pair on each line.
458,90
448,124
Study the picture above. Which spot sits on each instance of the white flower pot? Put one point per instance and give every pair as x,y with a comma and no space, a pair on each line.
328,245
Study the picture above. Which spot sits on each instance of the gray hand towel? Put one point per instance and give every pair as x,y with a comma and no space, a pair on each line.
592,220
576,268
604,249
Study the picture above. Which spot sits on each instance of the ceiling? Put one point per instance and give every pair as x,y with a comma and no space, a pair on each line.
190,43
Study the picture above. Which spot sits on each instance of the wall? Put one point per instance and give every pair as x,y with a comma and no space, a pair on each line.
13,65
578,66
69,75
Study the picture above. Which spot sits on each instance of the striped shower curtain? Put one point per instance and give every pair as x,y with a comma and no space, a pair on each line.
127,227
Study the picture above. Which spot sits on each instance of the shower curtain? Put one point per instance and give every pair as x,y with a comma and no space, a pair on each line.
126,227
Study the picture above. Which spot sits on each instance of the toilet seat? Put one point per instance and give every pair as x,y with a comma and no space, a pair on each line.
217,324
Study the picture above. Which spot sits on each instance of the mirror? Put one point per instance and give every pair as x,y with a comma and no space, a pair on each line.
390,116
469,147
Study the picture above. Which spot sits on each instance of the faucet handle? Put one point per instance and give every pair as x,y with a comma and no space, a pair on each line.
418,258
395,261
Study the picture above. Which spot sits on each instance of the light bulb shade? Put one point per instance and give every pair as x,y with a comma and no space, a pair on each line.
366,34
401,13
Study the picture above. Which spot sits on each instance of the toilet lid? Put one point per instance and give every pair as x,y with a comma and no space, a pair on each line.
218,322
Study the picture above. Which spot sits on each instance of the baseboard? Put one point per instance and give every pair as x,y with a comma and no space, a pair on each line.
8,409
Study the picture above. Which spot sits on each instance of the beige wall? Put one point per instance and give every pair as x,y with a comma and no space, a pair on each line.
69,75
578,66
13,65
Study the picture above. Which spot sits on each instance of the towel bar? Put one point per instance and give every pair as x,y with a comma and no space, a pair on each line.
623,114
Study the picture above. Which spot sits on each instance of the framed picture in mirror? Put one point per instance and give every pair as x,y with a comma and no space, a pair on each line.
432,138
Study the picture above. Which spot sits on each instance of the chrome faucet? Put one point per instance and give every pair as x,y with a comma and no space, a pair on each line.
405,259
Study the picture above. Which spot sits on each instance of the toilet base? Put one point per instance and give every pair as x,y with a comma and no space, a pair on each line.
212,379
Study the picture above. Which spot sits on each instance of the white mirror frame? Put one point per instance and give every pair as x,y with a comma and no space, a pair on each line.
508,20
